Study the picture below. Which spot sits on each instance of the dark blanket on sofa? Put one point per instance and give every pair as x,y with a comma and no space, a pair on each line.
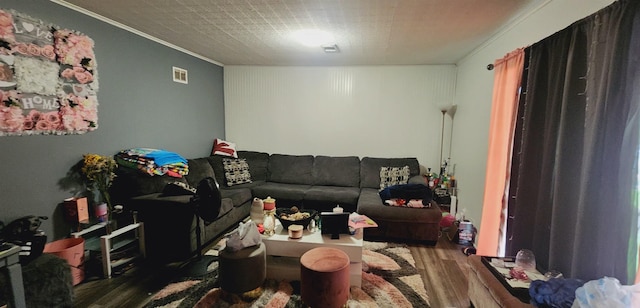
407,192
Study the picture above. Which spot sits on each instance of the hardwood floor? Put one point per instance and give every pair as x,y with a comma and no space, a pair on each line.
444,271
443,268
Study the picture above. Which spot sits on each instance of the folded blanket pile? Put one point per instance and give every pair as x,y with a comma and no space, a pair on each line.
153,161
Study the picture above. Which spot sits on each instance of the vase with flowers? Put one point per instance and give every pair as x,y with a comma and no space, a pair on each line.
99,172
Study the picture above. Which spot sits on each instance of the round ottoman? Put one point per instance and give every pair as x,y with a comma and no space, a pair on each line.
324,277
243,270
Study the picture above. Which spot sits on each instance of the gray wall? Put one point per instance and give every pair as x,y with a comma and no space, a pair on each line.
140,106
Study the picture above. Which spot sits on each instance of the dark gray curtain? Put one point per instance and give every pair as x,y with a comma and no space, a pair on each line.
574,177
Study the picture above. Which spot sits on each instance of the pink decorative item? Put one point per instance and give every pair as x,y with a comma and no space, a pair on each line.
447,221
269,203
101,212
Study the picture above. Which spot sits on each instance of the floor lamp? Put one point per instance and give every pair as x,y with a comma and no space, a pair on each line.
451,111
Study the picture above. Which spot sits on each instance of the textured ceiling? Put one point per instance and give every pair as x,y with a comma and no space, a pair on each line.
368,32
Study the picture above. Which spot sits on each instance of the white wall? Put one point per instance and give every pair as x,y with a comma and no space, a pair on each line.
475,84
386,111
379,111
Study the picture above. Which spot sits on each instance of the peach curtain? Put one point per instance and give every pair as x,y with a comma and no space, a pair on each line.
507,78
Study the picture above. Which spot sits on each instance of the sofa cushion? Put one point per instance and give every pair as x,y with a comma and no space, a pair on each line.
291,169
236,171
324,198
199,169
391,176
370,169
237,196
258,164
280,191
336,171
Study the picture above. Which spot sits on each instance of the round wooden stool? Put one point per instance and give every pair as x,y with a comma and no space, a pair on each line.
324,277
243,270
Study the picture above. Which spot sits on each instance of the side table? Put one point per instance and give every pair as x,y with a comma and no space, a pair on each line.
485,290
10,259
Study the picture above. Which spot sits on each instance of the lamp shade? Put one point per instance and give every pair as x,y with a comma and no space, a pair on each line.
444,106
452,110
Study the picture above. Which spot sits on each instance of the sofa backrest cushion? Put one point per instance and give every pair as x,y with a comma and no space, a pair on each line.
370,169
336,171
199,168
257,162
291,169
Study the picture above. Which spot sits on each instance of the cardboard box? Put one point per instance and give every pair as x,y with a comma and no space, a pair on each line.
76,210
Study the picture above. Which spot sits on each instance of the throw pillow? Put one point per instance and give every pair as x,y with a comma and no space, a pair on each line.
236,171
390,176
178,189
224,148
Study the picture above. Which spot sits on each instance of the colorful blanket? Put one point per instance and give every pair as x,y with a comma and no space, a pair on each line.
153,161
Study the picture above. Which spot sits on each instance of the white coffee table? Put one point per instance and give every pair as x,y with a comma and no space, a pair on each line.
283,253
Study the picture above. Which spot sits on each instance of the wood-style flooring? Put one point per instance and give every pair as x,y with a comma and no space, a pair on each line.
443,268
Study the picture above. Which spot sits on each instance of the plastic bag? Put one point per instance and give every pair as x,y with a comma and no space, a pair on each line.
246,235
607,292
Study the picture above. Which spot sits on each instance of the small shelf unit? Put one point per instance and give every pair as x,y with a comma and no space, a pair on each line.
109,245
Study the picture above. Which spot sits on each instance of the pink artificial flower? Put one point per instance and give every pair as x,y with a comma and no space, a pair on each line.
48,52
73,49
21,48
6,27
34,115
33,49
28,124
67,73
43,125
84,77
11,119
5,72
80,124
53,117
11,97
82,116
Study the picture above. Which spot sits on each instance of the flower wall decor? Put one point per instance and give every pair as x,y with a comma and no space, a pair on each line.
48,78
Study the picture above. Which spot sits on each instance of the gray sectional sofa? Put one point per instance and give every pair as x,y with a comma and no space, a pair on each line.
316,182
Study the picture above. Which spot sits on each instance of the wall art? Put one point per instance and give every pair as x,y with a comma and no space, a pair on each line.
48,78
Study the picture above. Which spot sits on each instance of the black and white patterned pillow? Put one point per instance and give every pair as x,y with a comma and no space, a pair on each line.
390,176
236,171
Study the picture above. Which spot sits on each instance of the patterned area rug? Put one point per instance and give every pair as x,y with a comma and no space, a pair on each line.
389,279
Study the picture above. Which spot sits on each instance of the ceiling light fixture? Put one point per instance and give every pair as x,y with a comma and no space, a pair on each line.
313,37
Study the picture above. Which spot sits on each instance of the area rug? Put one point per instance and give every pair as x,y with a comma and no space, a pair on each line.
389,279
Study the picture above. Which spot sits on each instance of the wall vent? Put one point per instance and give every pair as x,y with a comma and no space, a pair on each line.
331,48
180,75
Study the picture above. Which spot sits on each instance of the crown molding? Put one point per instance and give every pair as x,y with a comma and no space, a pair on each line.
132,30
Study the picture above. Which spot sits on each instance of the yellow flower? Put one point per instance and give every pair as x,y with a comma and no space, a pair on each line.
99,172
